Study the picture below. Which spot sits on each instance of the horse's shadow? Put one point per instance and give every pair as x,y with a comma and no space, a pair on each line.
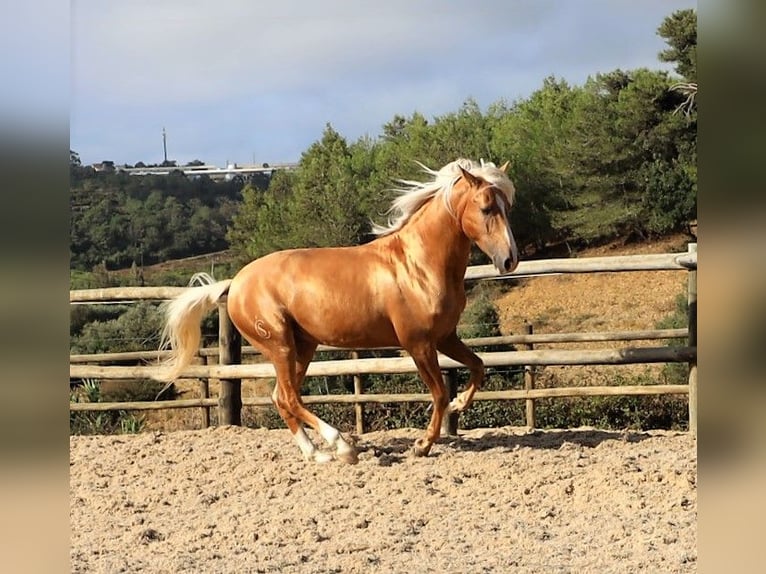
541,439
396,449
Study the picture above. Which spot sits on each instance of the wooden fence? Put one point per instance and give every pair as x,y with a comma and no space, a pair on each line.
230,350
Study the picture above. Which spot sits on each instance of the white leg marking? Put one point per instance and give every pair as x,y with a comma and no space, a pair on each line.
343,450
304,443
329,434
308,449
458,404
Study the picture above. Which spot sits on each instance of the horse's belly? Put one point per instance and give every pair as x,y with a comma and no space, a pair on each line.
346,331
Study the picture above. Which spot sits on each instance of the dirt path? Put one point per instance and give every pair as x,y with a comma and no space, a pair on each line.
234,499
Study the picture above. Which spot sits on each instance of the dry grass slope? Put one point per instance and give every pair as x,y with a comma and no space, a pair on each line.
596,302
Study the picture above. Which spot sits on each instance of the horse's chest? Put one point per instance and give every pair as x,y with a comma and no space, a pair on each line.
444,309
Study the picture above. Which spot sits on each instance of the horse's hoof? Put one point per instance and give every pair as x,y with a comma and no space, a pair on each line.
421,448
322,457
456,406
348,456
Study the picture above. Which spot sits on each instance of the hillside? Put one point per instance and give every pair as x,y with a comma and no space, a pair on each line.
597,302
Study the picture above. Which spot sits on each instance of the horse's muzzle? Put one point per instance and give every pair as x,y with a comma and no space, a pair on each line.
505,265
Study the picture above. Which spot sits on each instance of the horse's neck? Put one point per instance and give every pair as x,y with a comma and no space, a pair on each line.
434,240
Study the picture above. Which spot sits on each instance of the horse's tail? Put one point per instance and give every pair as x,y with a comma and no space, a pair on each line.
182,331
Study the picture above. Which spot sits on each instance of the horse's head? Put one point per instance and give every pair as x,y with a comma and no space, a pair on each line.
485,216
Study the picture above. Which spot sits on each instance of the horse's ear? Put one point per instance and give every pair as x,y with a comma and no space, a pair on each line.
504,167
469,177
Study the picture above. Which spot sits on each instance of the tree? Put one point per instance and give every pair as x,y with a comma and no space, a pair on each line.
463,134
326,207
535,135
628,138
260,224
119,218
76,170
679,30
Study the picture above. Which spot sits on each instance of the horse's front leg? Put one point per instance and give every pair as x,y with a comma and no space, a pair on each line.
426,359
455,349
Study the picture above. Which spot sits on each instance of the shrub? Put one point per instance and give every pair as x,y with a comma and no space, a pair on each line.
137,329
615,412
113,422
676,373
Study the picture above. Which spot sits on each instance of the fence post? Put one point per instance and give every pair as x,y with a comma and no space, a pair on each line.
692,300
529,382
358,407
450,420
229,353
204,387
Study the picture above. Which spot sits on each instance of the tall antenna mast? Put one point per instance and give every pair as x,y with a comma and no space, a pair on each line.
165,144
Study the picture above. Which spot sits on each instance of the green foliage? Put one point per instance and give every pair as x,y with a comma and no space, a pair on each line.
676,373
480,317
326,198
99,422
615,412
117,219
259,227
323,204
679,30
535,134
135,328
635,156
671,194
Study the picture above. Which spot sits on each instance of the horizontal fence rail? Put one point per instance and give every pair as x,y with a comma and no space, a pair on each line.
594,391
399,365
615,263
130,356
87,367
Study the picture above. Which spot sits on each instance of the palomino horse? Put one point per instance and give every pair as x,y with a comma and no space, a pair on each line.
405,288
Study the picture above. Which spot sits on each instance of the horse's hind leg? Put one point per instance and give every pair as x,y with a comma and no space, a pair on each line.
282,356
343,450
291,363
286,398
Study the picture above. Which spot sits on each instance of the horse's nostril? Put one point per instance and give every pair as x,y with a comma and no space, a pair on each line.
507,264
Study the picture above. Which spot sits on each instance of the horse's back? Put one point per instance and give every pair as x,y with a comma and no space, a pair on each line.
335,295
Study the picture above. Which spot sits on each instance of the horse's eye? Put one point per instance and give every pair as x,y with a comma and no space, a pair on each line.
487,210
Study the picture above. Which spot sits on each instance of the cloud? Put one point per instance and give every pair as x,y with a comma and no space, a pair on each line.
278,71
34,66
151,53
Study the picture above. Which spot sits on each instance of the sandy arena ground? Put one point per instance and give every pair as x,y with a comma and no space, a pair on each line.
232,499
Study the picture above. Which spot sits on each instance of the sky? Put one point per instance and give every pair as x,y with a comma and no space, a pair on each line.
253,81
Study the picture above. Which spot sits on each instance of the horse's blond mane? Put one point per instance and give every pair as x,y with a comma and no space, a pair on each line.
414,194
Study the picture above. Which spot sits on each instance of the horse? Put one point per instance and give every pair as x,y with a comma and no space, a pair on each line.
403,288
